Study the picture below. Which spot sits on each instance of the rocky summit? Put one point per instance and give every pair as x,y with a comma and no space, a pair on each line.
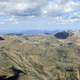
40,57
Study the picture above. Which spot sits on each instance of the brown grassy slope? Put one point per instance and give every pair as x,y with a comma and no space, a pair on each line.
40,57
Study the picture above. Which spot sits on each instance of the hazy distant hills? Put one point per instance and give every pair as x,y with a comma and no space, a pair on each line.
33,32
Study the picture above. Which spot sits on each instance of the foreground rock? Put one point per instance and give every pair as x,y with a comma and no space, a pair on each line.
1,38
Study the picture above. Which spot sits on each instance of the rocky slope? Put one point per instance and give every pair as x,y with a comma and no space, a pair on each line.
41,57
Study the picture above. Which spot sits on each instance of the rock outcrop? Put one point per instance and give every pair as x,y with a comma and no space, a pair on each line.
62,35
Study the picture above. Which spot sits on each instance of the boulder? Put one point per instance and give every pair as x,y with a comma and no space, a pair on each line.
1,38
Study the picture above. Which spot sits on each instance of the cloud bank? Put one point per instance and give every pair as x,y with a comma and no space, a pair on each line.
63,11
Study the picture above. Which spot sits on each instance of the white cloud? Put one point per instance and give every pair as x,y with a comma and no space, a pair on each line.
15,7
61,20
48,8
71,6
21,6
9,20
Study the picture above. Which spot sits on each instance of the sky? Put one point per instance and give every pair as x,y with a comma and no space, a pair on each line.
17,15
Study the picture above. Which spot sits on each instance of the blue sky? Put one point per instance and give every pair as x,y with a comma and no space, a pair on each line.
17,15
